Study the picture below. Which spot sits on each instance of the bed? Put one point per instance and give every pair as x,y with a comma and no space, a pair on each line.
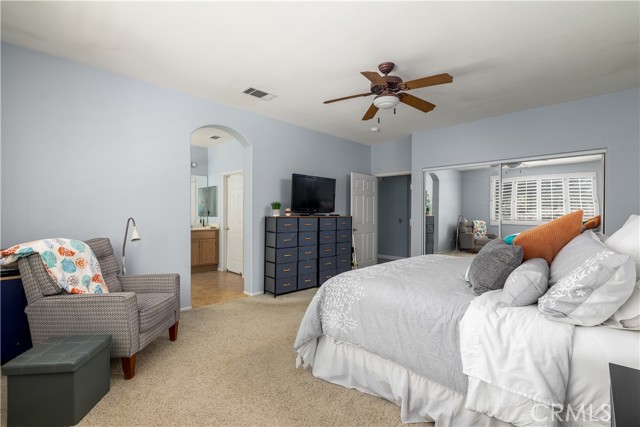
397,331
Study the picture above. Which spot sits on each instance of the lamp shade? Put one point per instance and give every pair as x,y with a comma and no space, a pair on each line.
134,234
385,102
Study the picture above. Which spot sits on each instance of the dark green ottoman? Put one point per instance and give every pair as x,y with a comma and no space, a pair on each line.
57,382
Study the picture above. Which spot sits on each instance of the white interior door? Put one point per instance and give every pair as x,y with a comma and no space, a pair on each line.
364,210
234,221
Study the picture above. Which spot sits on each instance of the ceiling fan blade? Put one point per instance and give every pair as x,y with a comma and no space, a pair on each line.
416,102
347,97
438,79
375,78
371,112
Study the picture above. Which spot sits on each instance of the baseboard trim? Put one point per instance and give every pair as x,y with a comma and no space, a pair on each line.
252,294
186,308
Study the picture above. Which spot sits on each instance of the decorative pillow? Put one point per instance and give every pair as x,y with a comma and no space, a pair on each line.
492,265
546,240
509,239
627,241
479,228
588,282
526,283
591,223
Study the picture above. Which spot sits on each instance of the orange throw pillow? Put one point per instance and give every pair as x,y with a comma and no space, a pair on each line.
546,240
591,223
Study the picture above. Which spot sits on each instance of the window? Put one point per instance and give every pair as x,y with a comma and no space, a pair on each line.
531,200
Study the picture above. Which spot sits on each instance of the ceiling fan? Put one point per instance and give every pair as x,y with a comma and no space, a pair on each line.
389,90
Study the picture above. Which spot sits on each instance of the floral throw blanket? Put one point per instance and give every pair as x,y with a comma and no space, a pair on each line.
71,263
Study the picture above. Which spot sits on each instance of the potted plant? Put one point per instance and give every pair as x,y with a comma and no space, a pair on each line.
275,208
427,203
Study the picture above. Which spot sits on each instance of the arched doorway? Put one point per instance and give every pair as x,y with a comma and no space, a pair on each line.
220,234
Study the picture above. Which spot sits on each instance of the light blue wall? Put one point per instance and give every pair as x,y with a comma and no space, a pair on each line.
84,149
393,216
224,158
200,157
391,157
609,121
449,206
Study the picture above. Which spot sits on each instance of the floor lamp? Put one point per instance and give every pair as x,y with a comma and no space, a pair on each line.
134,237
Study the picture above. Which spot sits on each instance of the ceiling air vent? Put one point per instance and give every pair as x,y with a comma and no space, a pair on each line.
260,94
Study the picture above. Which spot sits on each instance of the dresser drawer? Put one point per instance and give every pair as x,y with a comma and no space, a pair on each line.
344,223
281,286
281,240
307,252
307,281
323,276
327,250
281,255
307,224
343,236
309,266
429,220
282,224
430,237
343,248
429,228
280,270
327,224
307,238
343,261
328,263
325,237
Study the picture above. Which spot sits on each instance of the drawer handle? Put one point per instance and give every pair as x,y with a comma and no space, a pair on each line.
286,284
287,255
287,225
327,237
307,238
307,281
327,250
308,225
286,270
327,263
287,240
306,267
307,253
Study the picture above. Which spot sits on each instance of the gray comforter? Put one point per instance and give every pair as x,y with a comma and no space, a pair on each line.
406,311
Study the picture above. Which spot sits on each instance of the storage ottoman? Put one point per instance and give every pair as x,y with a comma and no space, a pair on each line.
57,382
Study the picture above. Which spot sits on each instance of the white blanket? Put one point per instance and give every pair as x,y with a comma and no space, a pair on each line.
515,359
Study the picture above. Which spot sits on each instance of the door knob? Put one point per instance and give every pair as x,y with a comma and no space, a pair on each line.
355,229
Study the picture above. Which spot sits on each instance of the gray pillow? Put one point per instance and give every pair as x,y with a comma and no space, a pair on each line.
588,282
492,265
526,283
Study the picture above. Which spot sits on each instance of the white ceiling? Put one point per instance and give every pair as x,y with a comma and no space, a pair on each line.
504,56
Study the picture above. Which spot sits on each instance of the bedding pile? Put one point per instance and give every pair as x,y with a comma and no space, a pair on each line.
516,359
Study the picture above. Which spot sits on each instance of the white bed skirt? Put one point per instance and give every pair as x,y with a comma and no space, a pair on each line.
420,399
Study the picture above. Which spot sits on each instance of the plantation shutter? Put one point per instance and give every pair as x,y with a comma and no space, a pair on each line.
507,195
526,200
582,195
551,198
494,213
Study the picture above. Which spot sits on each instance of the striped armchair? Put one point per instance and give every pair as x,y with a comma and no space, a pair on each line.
136,310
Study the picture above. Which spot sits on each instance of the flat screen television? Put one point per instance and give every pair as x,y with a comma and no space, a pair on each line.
312,194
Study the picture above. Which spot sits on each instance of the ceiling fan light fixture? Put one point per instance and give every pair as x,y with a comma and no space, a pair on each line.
386,102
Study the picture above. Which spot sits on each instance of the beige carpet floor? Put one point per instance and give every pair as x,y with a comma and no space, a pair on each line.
232,365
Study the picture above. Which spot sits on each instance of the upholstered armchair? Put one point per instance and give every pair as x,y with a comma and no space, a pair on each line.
136,310
468,240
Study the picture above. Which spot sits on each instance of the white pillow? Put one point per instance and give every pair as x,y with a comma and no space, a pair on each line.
588,282
526,283
627,241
